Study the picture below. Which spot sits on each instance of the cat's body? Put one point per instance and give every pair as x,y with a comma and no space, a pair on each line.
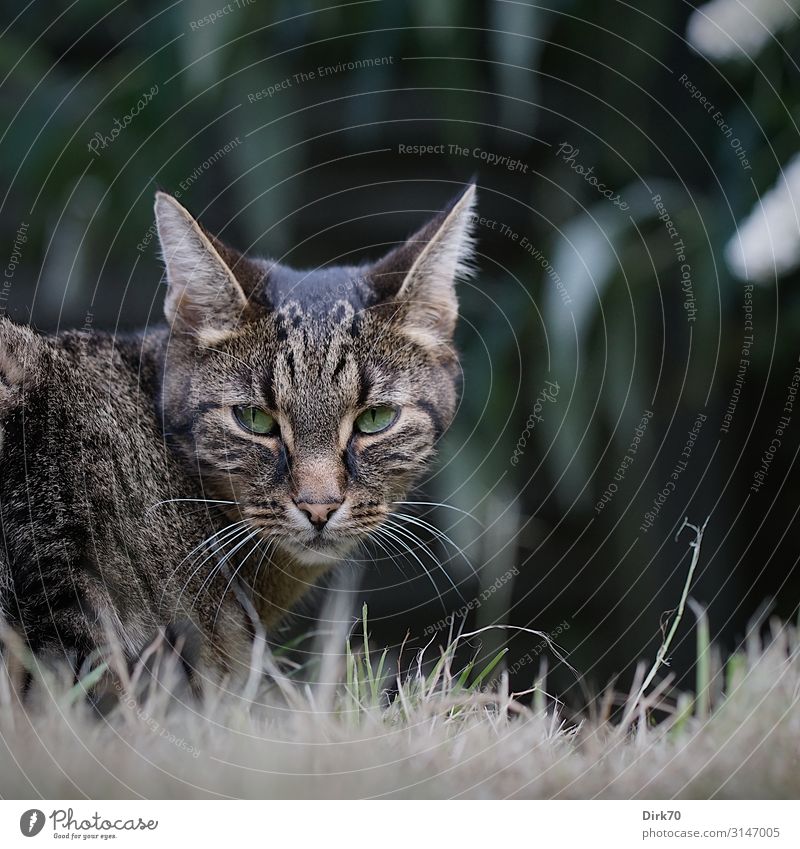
151,479
88,544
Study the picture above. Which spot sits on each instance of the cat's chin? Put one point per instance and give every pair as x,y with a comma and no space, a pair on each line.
328,554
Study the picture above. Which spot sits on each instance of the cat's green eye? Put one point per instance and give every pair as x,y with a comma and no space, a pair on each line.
256,420
375,419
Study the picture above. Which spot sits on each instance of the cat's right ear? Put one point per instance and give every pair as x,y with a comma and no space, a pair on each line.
20,349
419,277
203,296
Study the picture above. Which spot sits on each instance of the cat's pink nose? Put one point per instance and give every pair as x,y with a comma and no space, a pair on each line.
318,514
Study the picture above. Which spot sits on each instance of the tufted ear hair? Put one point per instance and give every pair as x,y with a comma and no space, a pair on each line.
419,277
208,282
20,354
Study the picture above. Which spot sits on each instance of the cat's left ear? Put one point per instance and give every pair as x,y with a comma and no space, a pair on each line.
419,277
204,295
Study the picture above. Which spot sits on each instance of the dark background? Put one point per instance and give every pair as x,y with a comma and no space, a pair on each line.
317,176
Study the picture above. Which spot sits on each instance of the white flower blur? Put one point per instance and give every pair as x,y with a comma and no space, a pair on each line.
725,29
767,243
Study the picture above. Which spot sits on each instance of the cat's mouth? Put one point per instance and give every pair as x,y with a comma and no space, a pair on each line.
319,551
321,546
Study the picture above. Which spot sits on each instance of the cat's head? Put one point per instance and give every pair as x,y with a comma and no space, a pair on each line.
311,399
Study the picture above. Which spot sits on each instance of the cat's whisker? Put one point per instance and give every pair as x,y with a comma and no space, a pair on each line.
391,548
404,547
375,539
226,539
408,535
217,567
441,504
232,578
228,354
233,536
415,520
383,545
270,546
196,500
220,533
441,535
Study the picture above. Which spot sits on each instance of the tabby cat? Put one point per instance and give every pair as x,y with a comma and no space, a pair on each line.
246,446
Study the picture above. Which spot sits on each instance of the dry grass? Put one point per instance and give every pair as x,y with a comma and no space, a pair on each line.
435,737
438,731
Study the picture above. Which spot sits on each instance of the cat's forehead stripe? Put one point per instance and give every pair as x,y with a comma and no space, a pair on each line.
330,292
268,388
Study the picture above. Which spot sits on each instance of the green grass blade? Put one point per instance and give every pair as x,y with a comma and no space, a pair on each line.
82,688
488,669
703,681
466,672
